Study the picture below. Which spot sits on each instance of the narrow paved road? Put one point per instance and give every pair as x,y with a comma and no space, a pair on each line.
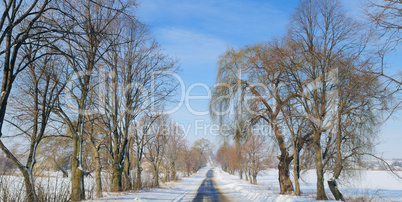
208,190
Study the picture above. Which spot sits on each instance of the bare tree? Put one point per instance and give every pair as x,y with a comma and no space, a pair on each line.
324,33
32,106
202,149
298,127
156,147
18,26
137,81
189,160
88,27
175,145
95,136
142,135
222,156
257,154
252,77
354,132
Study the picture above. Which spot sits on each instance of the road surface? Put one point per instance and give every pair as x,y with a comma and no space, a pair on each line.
208,190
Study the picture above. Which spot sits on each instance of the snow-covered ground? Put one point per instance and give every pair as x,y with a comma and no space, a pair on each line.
242,190
370,186
183,190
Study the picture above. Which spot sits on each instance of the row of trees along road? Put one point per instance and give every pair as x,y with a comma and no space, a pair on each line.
317,89
88,78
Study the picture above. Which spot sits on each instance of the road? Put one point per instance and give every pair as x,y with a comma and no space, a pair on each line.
208,190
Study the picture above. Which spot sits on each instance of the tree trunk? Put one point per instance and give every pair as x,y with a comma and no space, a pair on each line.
116,178
321,195
284,160
255,178
284,179
156,176
188,170
335,191
127,169
250,178
333,186
29,186
296,170
166,175
138,184
245,174
173,173
238,151
98,176
77,180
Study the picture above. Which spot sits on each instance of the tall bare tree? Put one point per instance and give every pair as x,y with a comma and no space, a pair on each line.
323,34
257,154
32,106
95,136
156,147
252,78
137,81
19,27
175,145
88,27
297,127
141,137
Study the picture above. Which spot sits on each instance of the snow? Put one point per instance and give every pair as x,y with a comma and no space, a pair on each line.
368,185
242,190
184,190
371,185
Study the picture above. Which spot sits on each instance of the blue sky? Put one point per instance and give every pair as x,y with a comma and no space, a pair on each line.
197,32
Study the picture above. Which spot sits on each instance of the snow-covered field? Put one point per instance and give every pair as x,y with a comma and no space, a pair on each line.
370,186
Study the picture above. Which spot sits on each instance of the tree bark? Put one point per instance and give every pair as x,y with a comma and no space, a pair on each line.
284,160
321,195
127,169
98,176
173,173
338,161
335,191
285,183
76,174
138,178
156,176
245,174
29,186
296,169
250,177
116,177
